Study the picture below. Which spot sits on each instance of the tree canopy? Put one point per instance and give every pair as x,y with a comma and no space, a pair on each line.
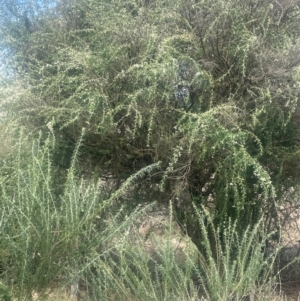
207,88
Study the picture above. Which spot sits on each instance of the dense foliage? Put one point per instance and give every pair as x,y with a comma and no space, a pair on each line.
207,88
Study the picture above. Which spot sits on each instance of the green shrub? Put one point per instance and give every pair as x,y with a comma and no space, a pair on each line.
207,88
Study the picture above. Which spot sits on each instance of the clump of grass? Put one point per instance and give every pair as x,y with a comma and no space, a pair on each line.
233,266
80,233
46,236
138,269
